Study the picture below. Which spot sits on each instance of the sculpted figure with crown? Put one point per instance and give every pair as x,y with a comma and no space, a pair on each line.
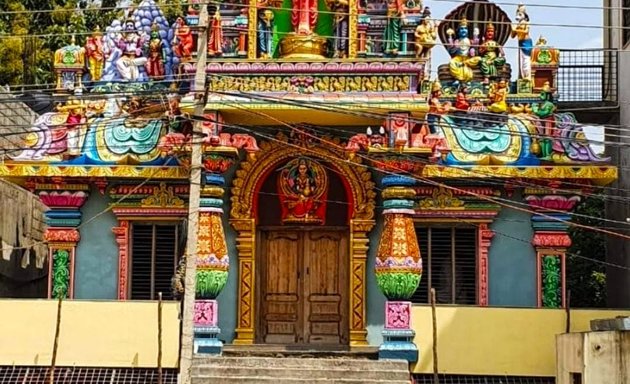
492,55
463,54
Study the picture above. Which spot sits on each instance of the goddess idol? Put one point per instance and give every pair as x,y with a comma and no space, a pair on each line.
303,189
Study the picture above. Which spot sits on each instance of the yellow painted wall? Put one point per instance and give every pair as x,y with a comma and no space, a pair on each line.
104,334
496,341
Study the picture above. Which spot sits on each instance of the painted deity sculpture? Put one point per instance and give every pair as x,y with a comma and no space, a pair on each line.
130,44
155,63
492,55
392,36
463,53
461,100
183,42
74,126
265,33
498,97
95,54
215,37
304,16
525,44
303,187
426,35
341,13
544,110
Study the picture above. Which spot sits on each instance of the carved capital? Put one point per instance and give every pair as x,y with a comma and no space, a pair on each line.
551,240
62,235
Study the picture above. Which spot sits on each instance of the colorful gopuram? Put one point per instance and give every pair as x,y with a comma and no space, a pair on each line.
346,176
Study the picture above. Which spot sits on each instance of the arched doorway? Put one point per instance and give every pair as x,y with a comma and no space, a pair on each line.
301,282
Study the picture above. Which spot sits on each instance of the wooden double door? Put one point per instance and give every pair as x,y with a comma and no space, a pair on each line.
303,284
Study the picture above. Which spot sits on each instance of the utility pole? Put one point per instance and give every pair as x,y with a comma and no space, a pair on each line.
200,97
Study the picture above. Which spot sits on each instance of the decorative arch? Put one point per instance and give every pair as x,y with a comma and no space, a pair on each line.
361,196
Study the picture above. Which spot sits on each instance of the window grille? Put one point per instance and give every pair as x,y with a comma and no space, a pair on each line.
449,260
79,375
469,379
155,251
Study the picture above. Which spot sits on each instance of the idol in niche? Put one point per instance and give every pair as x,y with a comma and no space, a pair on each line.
303,189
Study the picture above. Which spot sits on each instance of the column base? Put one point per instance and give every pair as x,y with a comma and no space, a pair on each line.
207,341
398,345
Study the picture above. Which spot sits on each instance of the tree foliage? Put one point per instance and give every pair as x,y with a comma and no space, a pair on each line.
586,275
30,33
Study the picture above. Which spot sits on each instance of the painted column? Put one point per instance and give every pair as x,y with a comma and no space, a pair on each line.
398,268
213,264
551,241
62,236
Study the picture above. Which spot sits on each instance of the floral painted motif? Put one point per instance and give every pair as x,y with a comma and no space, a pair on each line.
397,315
206,313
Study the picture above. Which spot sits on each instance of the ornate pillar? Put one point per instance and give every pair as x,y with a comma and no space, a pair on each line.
63,218
363,21
252,24
213,262
484,239
398,268
241,23
551,241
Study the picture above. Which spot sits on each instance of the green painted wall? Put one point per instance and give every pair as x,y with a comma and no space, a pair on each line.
96,265
282,20
512,259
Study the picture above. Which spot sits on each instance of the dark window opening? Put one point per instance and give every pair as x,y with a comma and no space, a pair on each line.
155,252
449,260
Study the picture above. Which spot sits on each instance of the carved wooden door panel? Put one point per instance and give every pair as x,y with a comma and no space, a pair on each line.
304,288
325,283
280,301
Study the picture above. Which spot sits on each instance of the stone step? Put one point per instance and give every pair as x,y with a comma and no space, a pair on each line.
217,379
312,363
331,373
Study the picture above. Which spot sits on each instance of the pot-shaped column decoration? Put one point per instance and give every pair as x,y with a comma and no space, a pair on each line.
398,268
212,266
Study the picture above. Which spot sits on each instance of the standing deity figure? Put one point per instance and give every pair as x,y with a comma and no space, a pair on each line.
425,34
492,55
215,38
95,54
525,43
304,16
265,32
155,63
74,126
393,27
341,10
183,41
544,110
462,51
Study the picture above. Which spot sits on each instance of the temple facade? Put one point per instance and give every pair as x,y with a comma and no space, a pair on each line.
346,176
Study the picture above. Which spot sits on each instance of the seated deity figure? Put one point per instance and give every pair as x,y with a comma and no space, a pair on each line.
498,97
462,51
492,55
131,44
183,42
425,34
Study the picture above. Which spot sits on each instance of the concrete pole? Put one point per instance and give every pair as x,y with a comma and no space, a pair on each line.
199,90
